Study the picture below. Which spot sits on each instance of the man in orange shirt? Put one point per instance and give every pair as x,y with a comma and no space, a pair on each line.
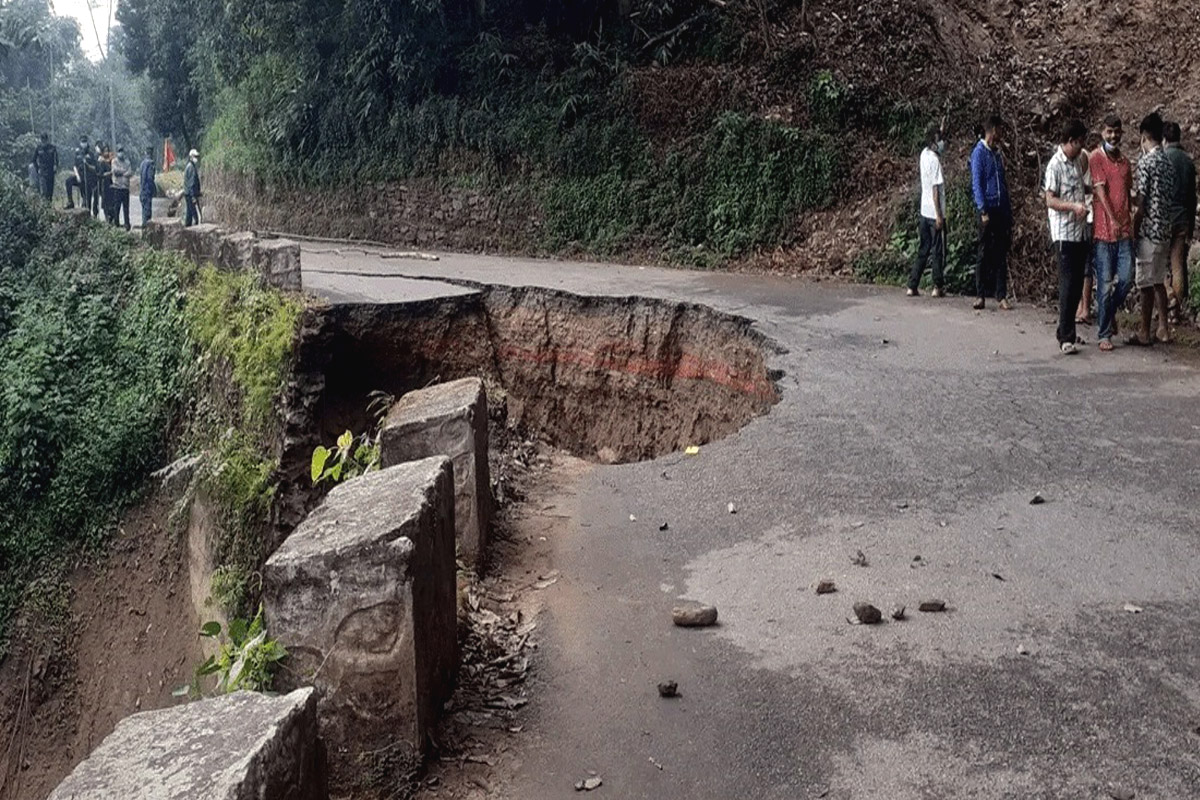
1112,183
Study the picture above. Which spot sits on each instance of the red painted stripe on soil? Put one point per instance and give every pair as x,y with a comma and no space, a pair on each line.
610,359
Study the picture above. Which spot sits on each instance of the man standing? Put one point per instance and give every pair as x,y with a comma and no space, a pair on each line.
78,176
1183,216
990,189
1112,182
191,188
1154,187
146,188
92,164
1067,209
46,158
932,224
121,170
104,176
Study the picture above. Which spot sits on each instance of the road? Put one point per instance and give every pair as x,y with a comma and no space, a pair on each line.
916,431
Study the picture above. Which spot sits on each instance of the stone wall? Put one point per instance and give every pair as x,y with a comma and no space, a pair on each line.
415,213
244,745
275,261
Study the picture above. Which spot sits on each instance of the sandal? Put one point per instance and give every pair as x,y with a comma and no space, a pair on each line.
1106,346
1162,338
978,305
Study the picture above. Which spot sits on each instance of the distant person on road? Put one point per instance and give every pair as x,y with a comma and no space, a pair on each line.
46,158
121,170
77,180
1154,189
1112,184
92,178
146,188
191,188
1066,196
104,175
931,225
1183,217
990,189
1083,315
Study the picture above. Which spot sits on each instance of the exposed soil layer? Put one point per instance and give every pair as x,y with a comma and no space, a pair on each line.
604,378
117,640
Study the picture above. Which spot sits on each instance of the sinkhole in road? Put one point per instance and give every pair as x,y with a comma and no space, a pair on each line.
610,379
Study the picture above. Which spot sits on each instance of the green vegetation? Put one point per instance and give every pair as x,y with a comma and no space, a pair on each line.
244,334
48,85
549,104
245,659
93,366
112,356
891,264
350,457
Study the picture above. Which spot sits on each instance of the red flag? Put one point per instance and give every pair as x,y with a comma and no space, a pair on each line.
168,155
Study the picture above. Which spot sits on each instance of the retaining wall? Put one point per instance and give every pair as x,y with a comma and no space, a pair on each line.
275,261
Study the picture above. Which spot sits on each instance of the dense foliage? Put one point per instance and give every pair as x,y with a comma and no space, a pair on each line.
48,85
492,93
93,363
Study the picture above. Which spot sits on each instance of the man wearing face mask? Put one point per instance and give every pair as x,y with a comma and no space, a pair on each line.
1112,182
990,189
932,223
121,170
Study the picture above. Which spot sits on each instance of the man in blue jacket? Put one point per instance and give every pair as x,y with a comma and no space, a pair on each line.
146,184
995,215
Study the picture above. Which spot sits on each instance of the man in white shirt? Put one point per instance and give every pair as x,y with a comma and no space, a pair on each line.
1066,206
932,224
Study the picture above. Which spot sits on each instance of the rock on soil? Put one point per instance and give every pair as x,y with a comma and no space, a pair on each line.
695,615
668,689
867,614
932,606
826,586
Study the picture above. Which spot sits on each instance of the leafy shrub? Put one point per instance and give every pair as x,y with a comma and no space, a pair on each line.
245,660
93,365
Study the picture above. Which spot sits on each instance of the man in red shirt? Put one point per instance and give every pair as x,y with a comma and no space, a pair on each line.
1112,181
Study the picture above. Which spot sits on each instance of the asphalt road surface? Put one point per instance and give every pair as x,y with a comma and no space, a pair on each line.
916,431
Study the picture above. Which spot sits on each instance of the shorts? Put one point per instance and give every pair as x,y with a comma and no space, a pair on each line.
1153,263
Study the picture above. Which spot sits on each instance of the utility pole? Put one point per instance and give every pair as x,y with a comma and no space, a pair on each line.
112,113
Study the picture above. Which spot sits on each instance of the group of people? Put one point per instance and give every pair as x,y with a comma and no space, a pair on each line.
101,176
1113,225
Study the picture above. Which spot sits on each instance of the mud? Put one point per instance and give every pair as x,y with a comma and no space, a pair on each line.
605,379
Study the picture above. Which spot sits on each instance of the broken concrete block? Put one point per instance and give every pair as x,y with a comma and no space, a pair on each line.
363,596
448,419
165,234
235,251
202,243
277,261
239,745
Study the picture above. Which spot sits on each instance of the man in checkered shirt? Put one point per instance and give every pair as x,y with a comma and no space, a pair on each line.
1066,205
1153,188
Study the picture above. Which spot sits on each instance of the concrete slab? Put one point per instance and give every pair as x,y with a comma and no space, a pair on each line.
363,596
278,262
449,419
236,251
202,243
244,745
165,234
